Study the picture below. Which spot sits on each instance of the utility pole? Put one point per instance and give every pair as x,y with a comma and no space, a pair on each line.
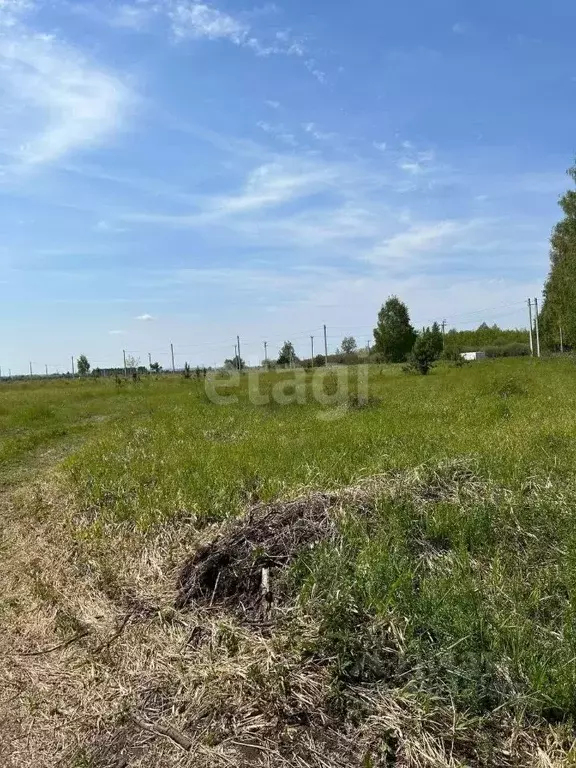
537,328
266,354
238,343
30,369
443,333
125,369
149,361
561,339
46,369
531,327
312,351
325,346
172,354
72,359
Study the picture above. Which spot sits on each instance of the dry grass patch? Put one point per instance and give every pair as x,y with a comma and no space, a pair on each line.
114,654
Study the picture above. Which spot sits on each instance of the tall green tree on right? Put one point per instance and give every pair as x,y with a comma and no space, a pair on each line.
559,308
394,335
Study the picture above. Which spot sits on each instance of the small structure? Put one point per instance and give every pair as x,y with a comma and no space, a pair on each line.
473,355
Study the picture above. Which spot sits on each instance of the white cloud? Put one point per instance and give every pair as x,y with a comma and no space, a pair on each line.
279,132
116,333
145,318
268,186
196,20
124,16
274,184
272,104
12,10
312,67
418,163
54,101
313,130
107,227
380,146
416,240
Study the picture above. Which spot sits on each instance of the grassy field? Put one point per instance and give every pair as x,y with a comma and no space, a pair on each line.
422,607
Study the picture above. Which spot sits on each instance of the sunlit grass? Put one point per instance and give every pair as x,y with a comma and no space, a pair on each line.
465,584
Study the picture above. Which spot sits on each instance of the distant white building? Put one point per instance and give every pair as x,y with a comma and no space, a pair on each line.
472,355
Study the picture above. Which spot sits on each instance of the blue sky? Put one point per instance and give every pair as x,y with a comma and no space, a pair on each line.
179,171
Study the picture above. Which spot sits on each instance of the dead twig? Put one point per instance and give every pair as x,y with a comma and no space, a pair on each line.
115,636
164,730
65,644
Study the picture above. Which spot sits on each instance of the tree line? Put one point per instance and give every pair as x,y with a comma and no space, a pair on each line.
558,317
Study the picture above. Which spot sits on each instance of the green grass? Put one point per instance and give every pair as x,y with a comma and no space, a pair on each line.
173,452
465,584
38,418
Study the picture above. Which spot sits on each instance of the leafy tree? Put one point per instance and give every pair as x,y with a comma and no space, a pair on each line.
156,367
559,308
424,352
287,355
394,336
484,336
82,365
132,363
319,361
186,371
349,345
437,339
235,362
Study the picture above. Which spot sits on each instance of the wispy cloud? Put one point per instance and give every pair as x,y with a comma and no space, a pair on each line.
417,163
278,131
145,318
116,333
136,17
313,130
268,186
197,20
312,67
55,101
416,240
106,227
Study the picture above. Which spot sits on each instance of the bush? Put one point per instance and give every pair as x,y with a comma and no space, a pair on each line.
515,349
424,353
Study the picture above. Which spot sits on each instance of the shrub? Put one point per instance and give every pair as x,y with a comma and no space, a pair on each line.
424,353
515,349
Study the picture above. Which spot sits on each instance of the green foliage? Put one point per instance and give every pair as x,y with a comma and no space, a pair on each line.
186,372
436,340
235,363
425,352
319,361
82,365
287,355
560,288
481,338
394,336
432,591
349,345
515,349
155,367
